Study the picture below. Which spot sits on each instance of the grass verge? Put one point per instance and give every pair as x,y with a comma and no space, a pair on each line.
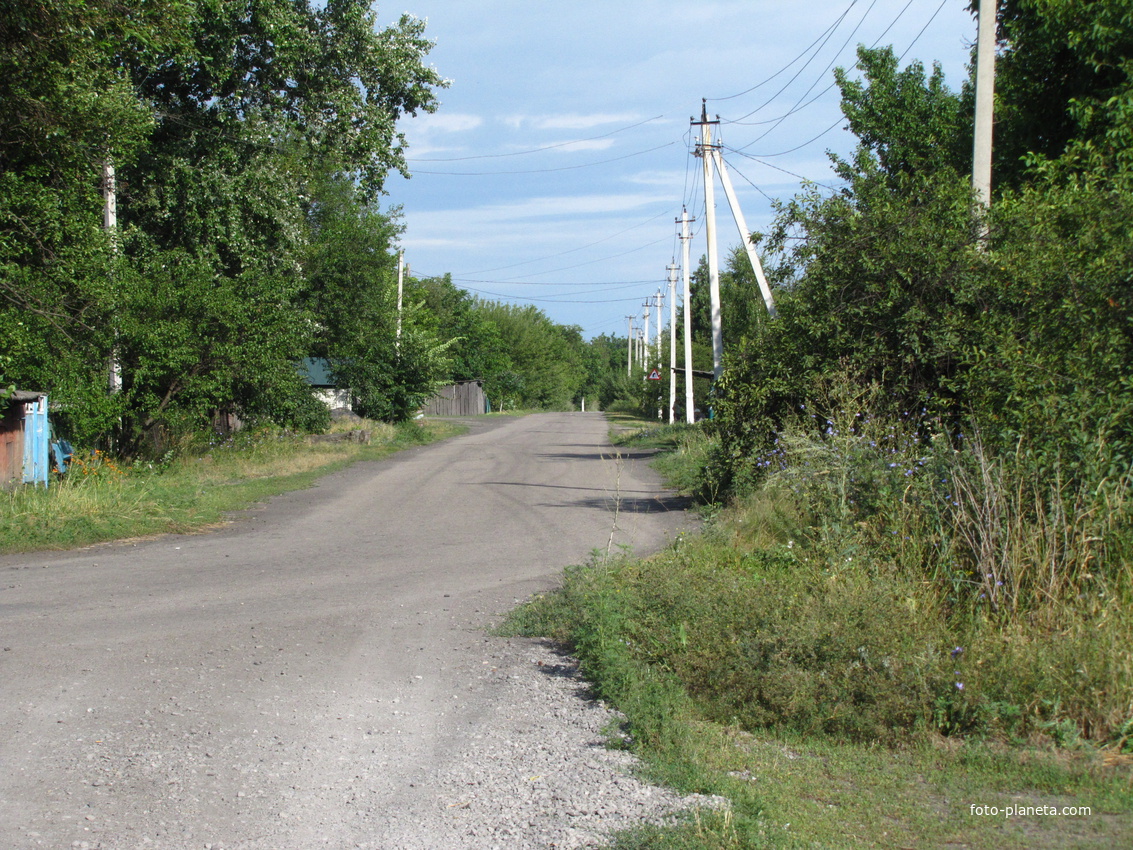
682,449
799,659
647,633
99,500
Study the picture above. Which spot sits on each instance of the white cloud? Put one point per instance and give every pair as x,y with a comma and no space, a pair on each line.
671,180
572,121
584,122
444,122
583,145
440,221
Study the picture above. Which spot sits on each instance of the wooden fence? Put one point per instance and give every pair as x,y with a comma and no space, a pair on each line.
463,399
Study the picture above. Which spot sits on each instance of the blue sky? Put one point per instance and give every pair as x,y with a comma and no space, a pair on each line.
561,153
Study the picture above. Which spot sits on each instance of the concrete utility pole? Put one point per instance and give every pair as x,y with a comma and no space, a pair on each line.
660,326
629,346
745,234
704,150
110,225
400,290
645,356
985,103
685,237
672,342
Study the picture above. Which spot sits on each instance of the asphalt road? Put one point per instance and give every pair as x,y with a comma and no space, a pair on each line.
303,677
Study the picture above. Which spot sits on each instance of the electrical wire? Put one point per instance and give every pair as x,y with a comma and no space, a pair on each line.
599,260
807,65
750,183
797,107
824,36
612,284
550,299
841,119
922,32
777,168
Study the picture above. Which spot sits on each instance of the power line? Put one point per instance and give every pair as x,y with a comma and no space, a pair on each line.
823,37
551,299
807,65
841,119
810,88
745,177
922,32
797,107
600,259
777,168
612,284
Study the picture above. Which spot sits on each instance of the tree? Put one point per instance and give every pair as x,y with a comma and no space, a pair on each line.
1064,83
881,288
66,108
223,118
279,108
1026,337
543,360
908,123
476,350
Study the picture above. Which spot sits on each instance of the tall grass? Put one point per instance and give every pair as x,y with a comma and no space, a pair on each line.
1024,579
884,581
684,451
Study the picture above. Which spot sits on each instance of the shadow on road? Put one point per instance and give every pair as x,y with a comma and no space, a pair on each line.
622,454
650,505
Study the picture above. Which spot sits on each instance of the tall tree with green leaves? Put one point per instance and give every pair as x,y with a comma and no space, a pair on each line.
1064,83
273,97
222,117
67,107
476,349
880,287
1022,336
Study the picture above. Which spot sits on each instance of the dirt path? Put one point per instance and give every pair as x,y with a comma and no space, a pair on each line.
315,674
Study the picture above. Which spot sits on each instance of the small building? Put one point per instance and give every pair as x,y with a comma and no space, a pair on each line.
25,438
464,398
317,371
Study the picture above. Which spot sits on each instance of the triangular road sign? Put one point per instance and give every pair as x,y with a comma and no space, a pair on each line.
654,376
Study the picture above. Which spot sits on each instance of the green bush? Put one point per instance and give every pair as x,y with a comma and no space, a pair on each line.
882,581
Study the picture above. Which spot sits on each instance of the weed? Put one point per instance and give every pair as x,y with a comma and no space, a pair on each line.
882,582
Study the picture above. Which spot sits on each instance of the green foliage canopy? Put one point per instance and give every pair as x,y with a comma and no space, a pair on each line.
224,120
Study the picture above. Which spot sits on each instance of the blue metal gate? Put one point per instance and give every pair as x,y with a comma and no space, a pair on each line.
37,437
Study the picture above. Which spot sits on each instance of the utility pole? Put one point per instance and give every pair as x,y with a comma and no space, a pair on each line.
657,302
704,150
629,346
985,104
110,225
745,234
672,342
400,290
685,237
645,358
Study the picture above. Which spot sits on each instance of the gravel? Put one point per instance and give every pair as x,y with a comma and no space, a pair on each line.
542,774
